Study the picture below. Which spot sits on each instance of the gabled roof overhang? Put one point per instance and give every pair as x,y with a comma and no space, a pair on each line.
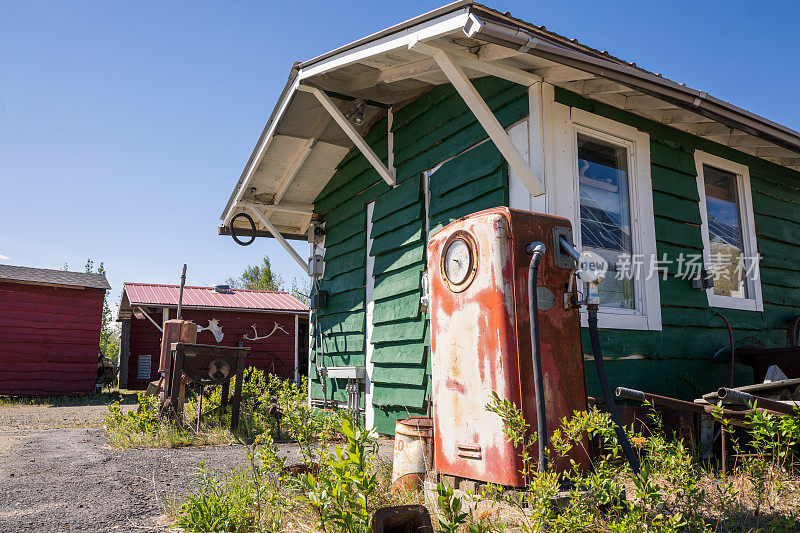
304,140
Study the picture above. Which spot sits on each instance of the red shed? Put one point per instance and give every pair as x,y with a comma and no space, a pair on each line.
273,324
49,330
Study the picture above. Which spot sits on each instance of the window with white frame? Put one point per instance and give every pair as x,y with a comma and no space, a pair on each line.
730,252
598,176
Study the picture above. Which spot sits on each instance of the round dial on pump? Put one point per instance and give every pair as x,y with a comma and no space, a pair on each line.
457,262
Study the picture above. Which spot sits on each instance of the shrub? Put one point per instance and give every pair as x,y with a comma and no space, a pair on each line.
340,492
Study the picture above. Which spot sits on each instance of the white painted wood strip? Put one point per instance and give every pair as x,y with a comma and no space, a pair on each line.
489,122
351,132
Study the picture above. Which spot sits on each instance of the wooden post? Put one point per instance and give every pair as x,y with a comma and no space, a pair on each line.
237,394
177,381
223,403
724,453
124,352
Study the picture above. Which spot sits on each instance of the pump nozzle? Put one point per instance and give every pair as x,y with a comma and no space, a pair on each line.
590,268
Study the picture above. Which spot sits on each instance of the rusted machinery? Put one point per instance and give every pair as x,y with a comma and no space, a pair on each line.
484,341
185,362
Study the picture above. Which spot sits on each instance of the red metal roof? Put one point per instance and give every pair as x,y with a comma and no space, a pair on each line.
152,294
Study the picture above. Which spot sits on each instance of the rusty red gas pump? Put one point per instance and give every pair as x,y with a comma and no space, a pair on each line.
483,340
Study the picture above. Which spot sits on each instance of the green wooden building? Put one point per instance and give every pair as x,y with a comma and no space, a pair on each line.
375,146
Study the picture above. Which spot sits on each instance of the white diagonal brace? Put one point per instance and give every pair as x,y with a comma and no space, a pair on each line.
489,122
148,317
294,168
472,62
351,132
275,233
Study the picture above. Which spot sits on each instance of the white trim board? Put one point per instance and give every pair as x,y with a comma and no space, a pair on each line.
557,142
369,409
754,302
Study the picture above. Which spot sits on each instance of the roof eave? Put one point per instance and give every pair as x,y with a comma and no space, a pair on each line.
518,38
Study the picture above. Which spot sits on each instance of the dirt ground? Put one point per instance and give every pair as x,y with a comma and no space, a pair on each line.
14,417
59,474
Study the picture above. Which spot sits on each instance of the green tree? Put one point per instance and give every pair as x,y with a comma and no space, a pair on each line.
258,277
109,332
301,291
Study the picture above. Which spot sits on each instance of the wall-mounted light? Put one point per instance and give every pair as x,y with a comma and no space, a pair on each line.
357,113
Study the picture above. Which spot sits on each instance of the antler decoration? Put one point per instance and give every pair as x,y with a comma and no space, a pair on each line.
257,338
213,327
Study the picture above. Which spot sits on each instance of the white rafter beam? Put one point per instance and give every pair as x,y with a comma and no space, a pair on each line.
487,119
471,61
300,158
299,209
351,132
275,233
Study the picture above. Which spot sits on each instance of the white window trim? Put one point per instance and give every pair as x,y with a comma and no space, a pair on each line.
561,125
755,302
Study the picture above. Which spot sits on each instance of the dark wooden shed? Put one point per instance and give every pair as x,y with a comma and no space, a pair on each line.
273,324
50,330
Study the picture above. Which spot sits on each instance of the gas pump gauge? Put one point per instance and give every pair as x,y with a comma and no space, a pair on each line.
459,261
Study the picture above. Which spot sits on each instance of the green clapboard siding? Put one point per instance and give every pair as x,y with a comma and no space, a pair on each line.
399,395
403,306
411,353
476,179
398,281
677,360
395,373
386,417
438,127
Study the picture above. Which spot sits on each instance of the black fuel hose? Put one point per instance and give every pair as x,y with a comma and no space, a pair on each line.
536,249
594,336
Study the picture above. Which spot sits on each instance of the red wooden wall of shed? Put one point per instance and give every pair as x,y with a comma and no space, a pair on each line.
49,339
275,354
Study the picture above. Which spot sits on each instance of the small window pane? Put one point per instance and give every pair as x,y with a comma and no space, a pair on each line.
724,232
605,213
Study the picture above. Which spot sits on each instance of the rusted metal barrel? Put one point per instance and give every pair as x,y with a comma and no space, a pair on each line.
413,451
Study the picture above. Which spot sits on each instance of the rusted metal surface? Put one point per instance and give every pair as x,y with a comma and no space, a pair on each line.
681,405
402,519
788,359
480,338
413,452
784,389
175,330
207,365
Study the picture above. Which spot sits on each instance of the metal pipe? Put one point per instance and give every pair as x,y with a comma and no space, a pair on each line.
570,250
180,294
674,403
744,398
536,250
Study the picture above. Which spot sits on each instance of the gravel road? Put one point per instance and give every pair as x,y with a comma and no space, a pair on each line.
67,478
59,474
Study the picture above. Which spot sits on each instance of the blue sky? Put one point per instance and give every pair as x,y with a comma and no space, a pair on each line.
125,125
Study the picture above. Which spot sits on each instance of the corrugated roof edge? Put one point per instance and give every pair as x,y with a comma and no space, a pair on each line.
174,286
47,276
291,304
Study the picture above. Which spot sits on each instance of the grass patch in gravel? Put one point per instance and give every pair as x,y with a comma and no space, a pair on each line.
121,396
